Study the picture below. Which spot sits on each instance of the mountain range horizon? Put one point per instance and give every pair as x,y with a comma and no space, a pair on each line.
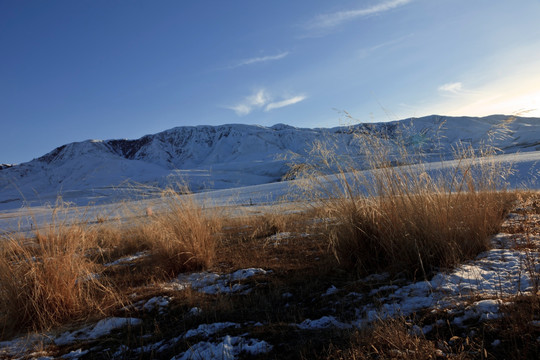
234,155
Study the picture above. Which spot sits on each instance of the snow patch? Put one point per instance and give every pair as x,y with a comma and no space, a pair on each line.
127,259
75,354
159,302
228,348
195,311
483,310
102,328
331,290
323,323
287,295
211,283
23,345
495,273
207,330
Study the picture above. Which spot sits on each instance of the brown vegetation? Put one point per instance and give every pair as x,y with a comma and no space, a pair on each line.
57,275
409,218
51,279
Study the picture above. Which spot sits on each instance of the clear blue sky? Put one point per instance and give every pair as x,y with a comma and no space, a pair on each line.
101,69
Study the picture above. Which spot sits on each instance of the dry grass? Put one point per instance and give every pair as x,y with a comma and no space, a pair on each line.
50,280
415,234
262,225
390,339
301,266
518,329
182,238
407,218
57,276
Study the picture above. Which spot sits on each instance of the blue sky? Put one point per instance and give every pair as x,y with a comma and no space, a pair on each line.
101,69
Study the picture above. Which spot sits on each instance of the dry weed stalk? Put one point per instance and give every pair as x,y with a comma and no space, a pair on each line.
403,215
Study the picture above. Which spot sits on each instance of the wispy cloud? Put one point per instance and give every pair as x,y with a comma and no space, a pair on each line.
331,20
451,88
261,99
366,52
254,101
283,103
261,59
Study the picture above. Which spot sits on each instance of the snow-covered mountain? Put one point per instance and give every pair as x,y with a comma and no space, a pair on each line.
218,157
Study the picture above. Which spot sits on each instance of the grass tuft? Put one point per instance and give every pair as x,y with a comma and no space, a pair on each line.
182,237
50,280
412,218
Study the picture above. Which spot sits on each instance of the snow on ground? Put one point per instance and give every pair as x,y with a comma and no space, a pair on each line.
323,323
25,345
22,345
127,259
207,330
224,347
75,354
211,283
251,198
496,273
228,348
157,302
102,328
331,291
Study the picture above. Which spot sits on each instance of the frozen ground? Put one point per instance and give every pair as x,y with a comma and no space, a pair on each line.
474,291
253,198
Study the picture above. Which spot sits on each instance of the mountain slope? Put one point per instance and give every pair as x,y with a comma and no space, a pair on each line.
208,157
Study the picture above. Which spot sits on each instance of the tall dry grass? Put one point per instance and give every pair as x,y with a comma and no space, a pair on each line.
49,279
400,215
390,339
179,235
56,275
181,238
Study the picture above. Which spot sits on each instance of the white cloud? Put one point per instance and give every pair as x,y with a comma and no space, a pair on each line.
241,109
262,59
327,21
283,103
259,98
453,88
262,99
256,100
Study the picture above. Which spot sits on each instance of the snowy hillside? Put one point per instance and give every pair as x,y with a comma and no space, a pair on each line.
227,156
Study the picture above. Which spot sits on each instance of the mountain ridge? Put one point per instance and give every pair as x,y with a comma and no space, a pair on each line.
232,155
